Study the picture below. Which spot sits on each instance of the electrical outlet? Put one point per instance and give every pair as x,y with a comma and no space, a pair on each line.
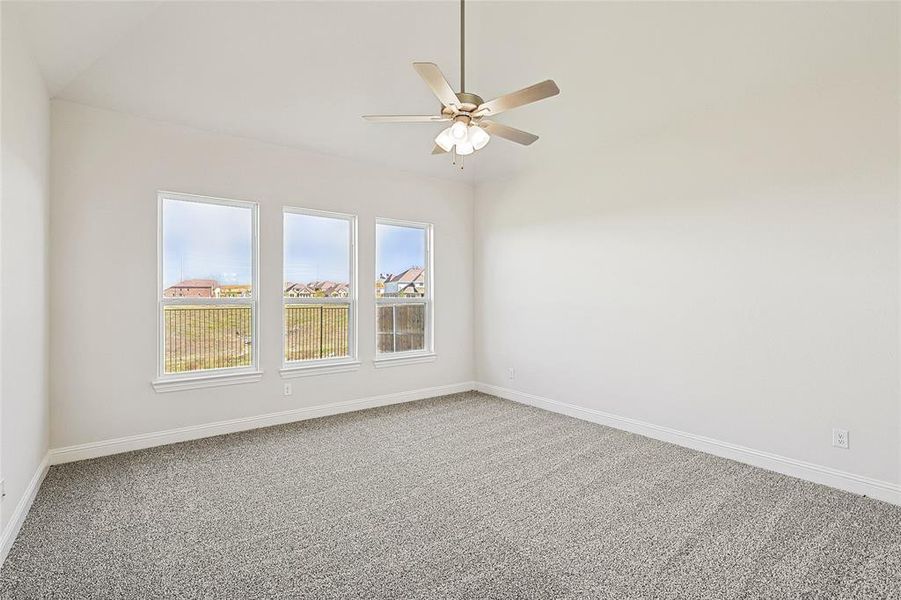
511,373
840,438
288,389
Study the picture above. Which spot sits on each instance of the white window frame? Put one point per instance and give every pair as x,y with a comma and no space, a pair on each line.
304,368
427,354
169,382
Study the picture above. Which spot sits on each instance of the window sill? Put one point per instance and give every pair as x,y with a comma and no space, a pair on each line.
319,369
409,359
177,384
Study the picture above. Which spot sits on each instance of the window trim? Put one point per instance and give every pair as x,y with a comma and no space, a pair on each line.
166,382
427,354
339,364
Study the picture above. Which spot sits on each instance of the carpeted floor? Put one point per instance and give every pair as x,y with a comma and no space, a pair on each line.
465,496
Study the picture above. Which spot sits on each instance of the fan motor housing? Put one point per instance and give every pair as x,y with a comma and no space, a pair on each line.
468,103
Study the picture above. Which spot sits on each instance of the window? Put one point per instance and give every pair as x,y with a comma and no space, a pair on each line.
319,291
207,291
403,291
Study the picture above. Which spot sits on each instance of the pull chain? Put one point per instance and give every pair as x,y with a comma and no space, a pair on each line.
456,156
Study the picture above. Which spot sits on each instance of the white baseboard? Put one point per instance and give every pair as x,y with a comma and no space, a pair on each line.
874,488
193,432
21,511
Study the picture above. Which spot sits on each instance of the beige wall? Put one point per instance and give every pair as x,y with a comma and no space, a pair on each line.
23,247
732,273
107,170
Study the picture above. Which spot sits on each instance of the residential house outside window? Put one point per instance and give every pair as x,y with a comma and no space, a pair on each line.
319,291
403,289
207,287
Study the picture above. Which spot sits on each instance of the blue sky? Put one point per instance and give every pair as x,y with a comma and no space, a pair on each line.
398,248
316,249
211,241
206,241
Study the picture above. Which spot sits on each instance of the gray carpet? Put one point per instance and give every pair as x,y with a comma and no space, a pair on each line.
465,496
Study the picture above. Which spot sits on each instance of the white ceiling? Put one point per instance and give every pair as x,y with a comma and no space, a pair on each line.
302,73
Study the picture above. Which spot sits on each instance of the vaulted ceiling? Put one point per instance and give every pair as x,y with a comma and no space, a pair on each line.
302,73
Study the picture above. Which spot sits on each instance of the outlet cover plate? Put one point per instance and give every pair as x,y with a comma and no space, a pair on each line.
840,438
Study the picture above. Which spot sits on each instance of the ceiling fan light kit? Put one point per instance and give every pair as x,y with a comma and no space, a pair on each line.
462,137
470,129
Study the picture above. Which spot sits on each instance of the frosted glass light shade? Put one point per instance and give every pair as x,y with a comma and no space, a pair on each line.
478,137
467,139
444,140
464,148
458,131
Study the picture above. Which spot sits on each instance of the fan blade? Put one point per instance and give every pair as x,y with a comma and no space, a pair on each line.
508,133
405,118
533,93
431,74
438,150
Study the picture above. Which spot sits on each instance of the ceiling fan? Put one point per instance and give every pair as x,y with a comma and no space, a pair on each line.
470,128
